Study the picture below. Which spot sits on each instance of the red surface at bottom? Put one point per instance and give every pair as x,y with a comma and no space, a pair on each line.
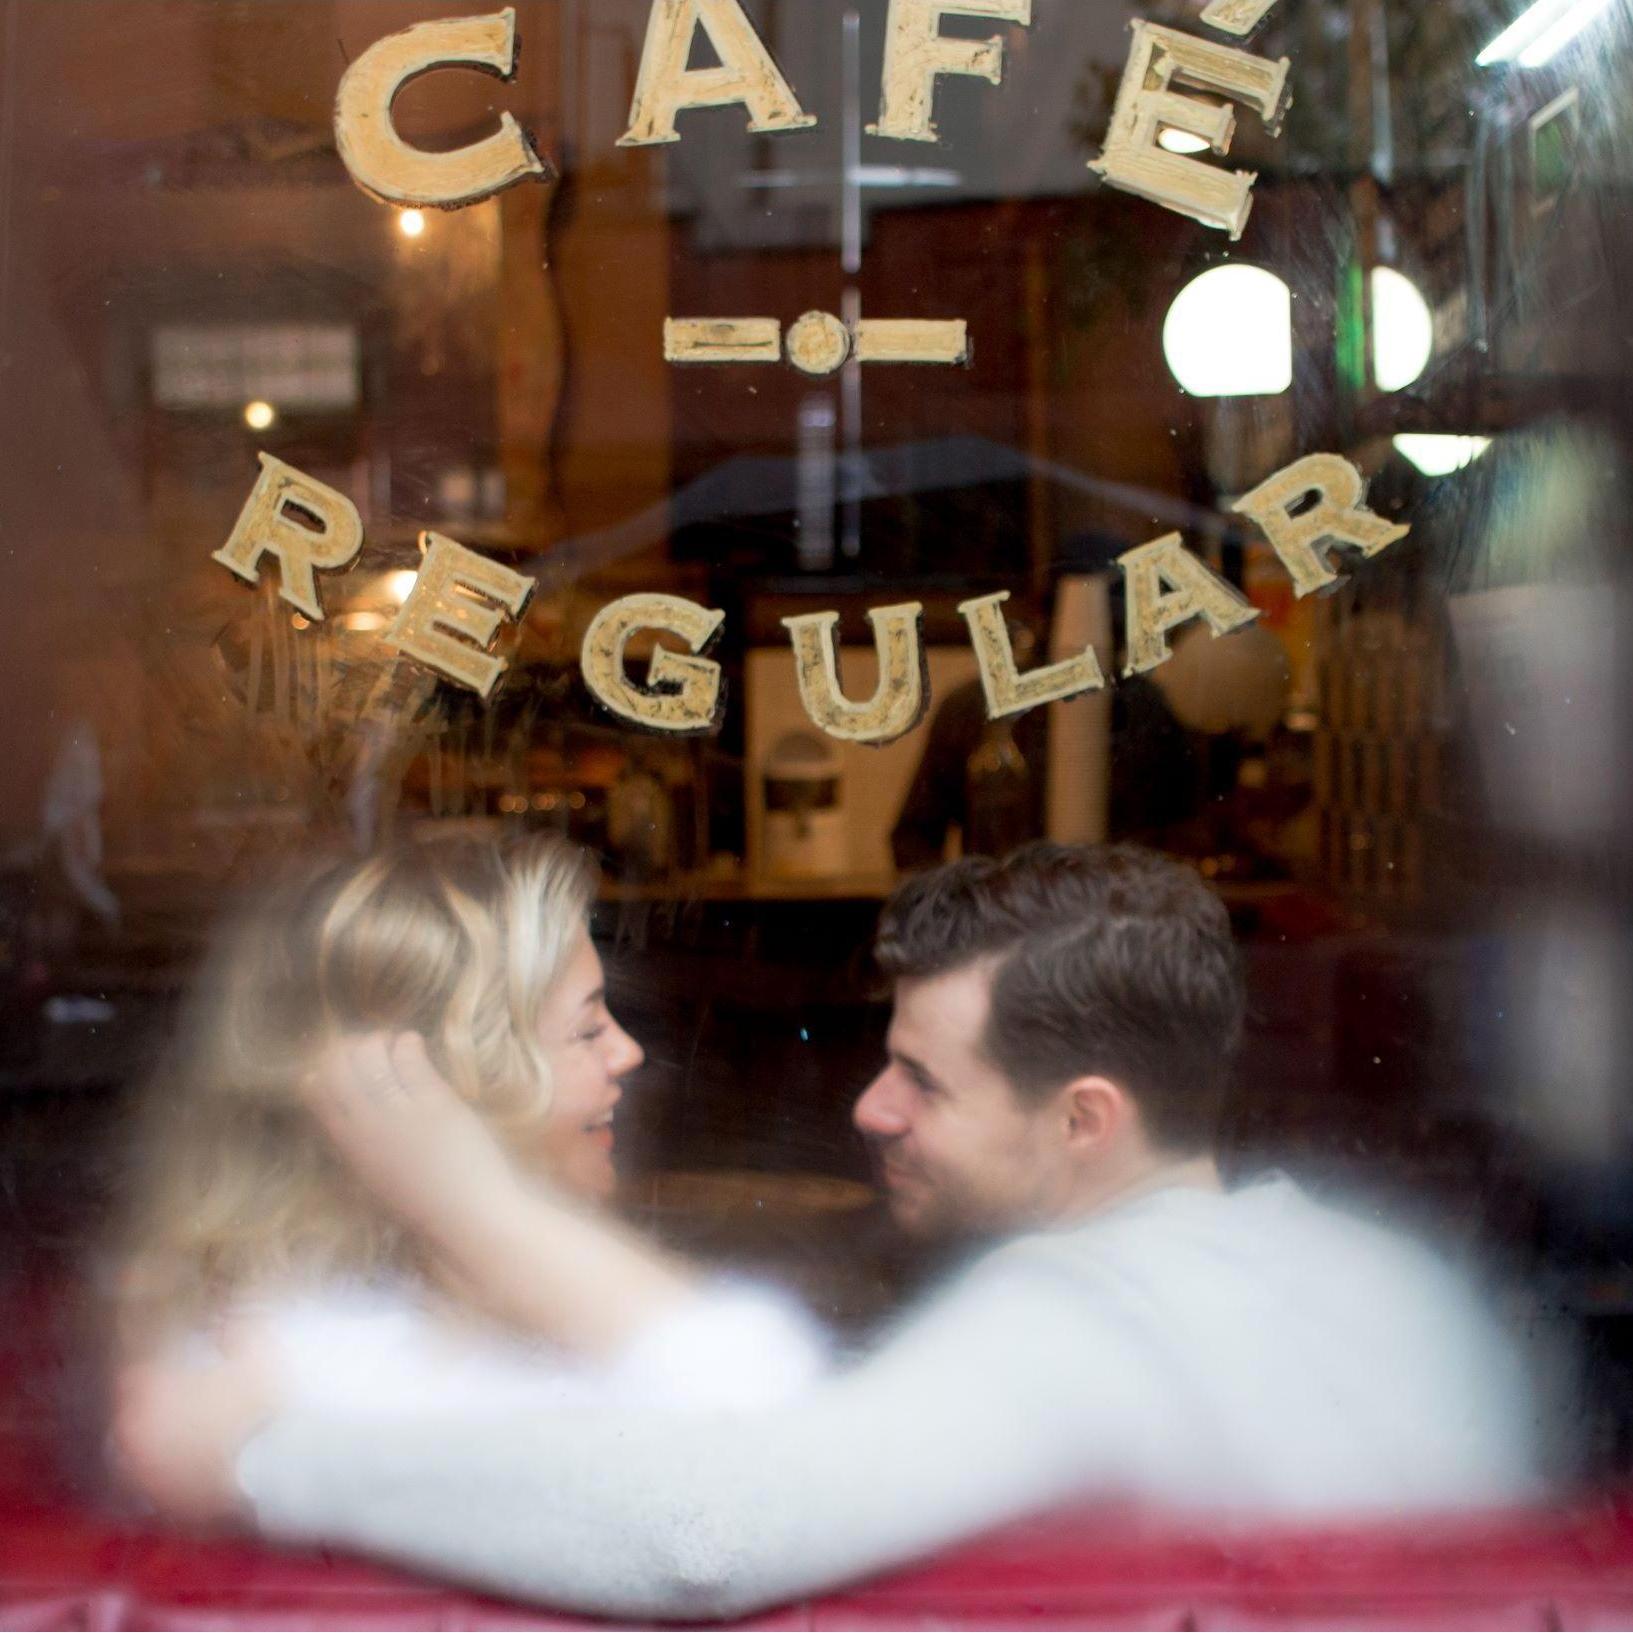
62,1569
65,1565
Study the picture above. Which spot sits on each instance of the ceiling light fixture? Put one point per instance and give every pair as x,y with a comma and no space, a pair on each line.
1438,453
1541,32
1403,330
1229,333
1547,46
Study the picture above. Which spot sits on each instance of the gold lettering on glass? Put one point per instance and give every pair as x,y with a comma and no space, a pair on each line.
1007,690
454,611
1148,103
302,523
917,53
385,166
1166,587
899,700
746,74
682,692
1311,508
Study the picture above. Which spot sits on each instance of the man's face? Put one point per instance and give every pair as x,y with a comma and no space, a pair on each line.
958,1152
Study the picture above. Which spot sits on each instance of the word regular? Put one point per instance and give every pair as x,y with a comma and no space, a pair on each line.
460,602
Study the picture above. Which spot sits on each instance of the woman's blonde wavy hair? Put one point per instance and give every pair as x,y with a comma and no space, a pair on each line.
234,1184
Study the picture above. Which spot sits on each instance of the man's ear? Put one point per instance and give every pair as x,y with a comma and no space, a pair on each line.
1097,1111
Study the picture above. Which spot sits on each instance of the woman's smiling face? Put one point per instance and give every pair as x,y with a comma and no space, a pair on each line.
589,1053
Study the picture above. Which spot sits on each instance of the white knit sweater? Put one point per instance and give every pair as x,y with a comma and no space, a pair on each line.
1255,1352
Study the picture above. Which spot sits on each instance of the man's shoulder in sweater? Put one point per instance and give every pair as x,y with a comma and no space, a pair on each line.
1291,1355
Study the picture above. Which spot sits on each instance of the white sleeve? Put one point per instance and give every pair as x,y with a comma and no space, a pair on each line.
736,1345
992,1404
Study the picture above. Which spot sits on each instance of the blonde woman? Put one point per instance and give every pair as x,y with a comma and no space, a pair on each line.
308,1187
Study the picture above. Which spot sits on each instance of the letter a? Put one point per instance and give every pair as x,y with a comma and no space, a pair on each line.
1195,592
746,73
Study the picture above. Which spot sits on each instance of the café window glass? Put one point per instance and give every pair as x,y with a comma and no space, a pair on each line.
786,454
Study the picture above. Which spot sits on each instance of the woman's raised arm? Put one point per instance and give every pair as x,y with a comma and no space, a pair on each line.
514,1248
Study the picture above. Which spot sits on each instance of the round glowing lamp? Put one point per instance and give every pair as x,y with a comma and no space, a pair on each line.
1229,333
1403,330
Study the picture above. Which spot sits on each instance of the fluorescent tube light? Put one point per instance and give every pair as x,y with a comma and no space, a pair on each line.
1547,46
1535,20
1541,32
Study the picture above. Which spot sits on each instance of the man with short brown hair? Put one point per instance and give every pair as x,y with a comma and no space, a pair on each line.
1109,972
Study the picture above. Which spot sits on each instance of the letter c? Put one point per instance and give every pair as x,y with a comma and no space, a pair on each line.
385,166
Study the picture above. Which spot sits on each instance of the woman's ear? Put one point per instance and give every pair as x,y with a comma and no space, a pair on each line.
1097,1111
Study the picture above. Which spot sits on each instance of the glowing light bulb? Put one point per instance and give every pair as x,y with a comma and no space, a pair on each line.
411,223
1229,333
1403,330
1181,141
259,415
